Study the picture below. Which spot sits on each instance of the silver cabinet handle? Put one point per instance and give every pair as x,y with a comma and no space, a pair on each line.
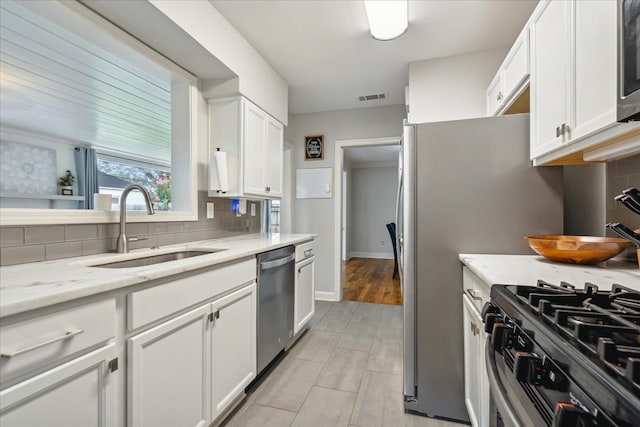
558,131
472,294
66,336
308,252
565,128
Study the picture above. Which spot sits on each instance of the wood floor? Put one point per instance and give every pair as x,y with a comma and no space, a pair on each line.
369,280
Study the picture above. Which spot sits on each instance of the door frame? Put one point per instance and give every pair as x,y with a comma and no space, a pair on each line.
337,172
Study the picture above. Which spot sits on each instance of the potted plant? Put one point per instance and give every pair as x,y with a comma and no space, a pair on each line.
66,182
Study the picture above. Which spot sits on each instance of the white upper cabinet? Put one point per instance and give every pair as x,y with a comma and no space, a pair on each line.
511,78
549,76
253,141
573,80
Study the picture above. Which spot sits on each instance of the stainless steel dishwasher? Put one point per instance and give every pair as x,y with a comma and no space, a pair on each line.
275,302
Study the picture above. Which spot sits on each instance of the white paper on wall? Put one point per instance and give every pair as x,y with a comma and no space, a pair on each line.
314,183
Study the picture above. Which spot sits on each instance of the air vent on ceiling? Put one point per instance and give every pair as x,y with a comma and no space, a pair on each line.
372,97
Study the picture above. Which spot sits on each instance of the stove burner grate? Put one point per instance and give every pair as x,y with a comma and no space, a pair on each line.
605,325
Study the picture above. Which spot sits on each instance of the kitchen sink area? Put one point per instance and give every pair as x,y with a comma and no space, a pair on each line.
156,259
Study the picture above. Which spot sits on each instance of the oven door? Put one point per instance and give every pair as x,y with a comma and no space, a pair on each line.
509,405
628,60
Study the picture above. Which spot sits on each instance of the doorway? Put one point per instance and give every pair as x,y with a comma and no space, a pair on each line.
367,177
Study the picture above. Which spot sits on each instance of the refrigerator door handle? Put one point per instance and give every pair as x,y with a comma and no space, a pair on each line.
407,251
399,233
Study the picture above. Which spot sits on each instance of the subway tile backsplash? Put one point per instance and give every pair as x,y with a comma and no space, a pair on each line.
22,244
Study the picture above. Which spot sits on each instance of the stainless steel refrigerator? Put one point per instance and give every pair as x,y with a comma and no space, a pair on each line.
466,186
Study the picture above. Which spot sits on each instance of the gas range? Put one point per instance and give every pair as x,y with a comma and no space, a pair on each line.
563,356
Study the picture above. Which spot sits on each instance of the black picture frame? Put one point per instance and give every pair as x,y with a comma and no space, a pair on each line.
314,147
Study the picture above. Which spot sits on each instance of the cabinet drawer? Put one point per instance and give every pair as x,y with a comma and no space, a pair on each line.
42,341
477,291
305,250
154,303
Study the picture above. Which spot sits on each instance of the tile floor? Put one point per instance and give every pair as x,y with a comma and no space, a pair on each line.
345,371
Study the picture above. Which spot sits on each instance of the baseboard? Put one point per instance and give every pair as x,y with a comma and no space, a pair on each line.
377,255
326,296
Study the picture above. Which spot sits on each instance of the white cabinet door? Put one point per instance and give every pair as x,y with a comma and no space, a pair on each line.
594,77
255,160
495,95
77,393
233,347
476,383
304,302
549,75
516,64
168,371
275,156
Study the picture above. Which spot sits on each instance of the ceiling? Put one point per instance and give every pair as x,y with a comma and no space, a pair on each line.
324,51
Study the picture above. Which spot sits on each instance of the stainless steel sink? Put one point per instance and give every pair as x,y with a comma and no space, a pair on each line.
156,259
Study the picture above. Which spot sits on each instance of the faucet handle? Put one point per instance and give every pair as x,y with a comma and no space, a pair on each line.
137,238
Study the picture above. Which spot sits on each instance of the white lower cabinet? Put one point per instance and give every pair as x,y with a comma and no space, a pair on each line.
168,368
233,347
304,305
78,393
188,370
476,382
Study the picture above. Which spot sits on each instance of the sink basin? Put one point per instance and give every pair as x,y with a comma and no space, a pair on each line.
155,259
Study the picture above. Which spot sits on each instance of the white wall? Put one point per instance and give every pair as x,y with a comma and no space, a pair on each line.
257,80
452,88
317,215
373,199
288,191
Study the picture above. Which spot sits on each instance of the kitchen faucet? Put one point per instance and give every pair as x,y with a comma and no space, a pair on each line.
123,241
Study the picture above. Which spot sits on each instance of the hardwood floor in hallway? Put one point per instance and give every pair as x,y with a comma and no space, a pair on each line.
369,280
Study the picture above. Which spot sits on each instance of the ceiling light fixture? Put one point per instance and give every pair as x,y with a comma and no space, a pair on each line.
387,18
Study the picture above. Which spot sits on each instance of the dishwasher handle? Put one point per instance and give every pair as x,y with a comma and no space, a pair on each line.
277,262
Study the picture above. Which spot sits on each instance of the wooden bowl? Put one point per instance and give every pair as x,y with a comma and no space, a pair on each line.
577,249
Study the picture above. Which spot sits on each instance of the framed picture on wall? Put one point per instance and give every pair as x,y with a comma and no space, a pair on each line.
314,147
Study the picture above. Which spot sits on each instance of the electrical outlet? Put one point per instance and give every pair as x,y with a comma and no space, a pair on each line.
382,243
253,209
210,213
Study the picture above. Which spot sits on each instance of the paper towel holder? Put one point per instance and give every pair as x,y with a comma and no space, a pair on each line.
215,178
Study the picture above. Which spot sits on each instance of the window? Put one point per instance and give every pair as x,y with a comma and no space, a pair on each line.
273,216
114,175
70,79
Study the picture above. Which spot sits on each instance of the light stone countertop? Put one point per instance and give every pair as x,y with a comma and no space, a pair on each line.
35,285
527,269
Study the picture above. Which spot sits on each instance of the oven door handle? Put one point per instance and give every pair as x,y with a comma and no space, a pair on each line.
498,393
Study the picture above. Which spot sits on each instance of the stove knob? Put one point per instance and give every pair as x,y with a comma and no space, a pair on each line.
502,335
569,415
522,343
489,320
528,368
488,307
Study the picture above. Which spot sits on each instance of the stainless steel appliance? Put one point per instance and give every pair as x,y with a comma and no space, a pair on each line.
564,357
275,302
466,186
628,60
